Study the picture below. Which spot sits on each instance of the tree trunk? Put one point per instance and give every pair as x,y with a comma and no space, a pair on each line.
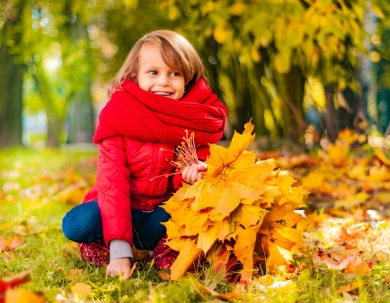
11,103
291,88
260,102
81,114
332,118
54,120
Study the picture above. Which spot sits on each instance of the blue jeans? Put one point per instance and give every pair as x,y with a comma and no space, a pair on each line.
83,224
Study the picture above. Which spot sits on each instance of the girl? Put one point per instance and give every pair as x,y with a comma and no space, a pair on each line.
159,92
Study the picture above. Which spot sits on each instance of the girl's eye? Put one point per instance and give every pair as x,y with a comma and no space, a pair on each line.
153,72
175,74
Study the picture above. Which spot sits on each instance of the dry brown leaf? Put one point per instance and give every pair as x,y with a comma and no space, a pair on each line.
74,274
164,275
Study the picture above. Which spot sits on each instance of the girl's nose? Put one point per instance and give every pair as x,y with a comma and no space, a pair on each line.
163,80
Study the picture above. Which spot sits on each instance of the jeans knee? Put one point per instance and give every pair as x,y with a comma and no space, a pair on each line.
83,223
67,228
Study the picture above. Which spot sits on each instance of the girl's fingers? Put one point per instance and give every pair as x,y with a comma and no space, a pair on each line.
194,174
191,174
126,275
202,166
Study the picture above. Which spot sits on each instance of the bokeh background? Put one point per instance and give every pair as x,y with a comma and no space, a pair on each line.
302,70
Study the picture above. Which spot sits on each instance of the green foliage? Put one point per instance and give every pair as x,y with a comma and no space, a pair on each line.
281,41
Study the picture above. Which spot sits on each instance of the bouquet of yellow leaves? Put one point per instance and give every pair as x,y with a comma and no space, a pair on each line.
241,209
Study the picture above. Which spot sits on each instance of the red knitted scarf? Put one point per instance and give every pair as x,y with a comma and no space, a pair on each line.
141,115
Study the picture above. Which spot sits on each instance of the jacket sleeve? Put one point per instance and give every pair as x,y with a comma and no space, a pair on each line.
203,152
113,187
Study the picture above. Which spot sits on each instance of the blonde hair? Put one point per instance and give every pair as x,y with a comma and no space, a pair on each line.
176,52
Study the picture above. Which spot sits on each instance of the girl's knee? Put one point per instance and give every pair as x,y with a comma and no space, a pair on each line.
68,228
83,223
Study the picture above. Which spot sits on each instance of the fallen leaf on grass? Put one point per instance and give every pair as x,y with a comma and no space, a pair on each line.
74,274
73,194
341,258
22,296
347,288
6,285
81,289
15,280
163,275
352,201
236,293
139,255
132,269
266,280
381,156
10,243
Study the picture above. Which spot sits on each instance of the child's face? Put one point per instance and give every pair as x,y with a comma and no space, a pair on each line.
156,77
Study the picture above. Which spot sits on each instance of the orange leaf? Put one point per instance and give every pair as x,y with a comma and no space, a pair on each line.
163,275
244,248
347,288
207,238
187,255
11,243
15,280
248,215
381,156
82,289
278,256
221,157
74,274
23,296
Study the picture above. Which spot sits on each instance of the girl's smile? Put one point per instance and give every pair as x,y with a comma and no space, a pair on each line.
156,77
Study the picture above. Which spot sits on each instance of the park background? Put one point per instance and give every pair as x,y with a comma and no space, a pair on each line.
314,77
285,64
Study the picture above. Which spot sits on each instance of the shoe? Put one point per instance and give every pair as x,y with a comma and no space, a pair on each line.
95,253
163,255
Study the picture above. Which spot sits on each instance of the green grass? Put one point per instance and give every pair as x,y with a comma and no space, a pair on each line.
31,210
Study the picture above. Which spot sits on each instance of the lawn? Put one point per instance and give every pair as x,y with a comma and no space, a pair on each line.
347,244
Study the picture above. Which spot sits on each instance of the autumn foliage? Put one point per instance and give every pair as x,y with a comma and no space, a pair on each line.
240,217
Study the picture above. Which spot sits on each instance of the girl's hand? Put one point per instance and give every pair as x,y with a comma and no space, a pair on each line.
191,174
119,266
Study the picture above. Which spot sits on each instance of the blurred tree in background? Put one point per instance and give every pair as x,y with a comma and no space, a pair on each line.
49,40
283,63
11,75
379,97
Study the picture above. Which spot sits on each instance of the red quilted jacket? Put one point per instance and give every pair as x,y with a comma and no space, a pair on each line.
123,181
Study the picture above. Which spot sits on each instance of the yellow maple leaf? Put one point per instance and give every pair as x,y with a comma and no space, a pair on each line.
223,228
82,290
248,215
240,207
278,256
338,152
381,155
244,248
187,255
221,157
207,238
348,136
